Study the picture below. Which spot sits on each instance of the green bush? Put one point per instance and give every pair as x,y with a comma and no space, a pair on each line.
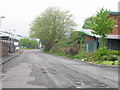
113,52
65,47
107,62
107,55
101,51
77,56
71,50
111,57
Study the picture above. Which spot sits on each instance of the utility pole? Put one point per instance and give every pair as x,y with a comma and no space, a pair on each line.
1,39
1,21
12,39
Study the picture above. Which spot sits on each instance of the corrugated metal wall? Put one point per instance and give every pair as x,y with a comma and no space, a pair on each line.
113,44
90,45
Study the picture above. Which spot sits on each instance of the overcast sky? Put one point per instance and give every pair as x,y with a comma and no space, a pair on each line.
20,13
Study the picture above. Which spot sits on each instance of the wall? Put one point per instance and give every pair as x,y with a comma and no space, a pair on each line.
90,43
113,44
116,31
0,49
4,49
88,38
11,48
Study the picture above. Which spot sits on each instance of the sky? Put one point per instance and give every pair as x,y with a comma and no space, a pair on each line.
19,14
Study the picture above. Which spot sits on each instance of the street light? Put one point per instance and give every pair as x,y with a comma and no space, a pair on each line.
1,20
2,16
12,37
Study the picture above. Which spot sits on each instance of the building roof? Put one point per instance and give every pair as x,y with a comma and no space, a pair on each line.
8,38
113,36
114,13
89,32
4,37
11,35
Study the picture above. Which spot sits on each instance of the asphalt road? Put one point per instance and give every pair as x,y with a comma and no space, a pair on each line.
34,69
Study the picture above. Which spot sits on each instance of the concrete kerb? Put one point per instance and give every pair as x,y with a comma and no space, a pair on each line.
112,66
100,65
9,59
12,57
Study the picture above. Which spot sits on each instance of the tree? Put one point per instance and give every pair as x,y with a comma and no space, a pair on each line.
51,26
26,43
78,37
33,44
103,25
88,22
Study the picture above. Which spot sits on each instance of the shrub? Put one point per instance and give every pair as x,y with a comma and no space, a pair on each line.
111,57
71,50
107,55
77,56
113,52
107,62
101,51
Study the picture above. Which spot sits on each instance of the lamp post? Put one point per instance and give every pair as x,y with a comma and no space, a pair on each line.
0,38
1,21
12,37
11,41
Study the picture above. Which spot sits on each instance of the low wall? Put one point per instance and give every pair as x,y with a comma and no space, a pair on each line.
3,49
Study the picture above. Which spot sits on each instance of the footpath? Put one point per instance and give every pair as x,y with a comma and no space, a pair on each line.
5,59
10,56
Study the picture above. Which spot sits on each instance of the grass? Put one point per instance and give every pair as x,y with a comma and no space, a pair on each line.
107,62
27,48
87,57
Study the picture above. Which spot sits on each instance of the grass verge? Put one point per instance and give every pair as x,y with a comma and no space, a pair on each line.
88,57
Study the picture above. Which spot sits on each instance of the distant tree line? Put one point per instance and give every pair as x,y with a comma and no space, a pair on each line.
27,43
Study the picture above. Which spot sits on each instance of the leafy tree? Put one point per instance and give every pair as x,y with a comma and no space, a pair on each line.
33,43
78,37
24,42
51,26
103,25
88,22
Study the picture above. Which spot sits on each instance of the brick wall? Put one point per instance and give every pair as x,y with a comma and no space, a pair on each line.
11,48
116,31
3,49
88,38
0,49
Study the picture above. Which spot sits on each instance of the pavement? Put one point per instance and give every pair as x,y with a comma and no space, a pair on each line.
5,59
10,56
35,69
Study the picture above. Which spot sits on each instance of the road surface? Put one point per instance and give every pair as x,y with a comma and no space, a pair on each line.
34,69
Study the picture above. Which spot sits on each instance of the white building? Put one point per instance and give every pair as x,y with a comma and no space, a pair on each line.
13,38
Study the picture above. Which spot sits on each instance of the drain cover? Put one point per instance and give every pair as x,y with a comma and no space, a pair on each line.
103,85
44,72
72,86
78,83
